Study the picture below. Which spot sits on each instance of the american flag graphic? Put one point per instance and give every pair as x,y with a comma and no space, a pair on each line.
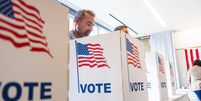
133,54
191,55
160,62
171,70
91,55
22,25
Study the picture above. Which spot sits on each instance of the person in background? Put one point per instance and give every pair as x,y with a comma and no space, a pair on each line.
194,78
122,28
83,24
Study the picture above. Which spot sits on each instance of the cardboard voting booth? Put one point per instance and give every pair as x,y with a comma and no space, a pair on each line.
170,78
107,67
33,50
156,76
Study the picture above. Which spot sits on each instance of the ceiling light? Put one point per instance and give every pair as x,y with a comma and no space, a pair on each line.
154,12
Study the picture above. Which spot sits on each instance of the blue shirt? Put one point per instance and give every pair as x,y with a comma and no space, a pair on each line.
72,36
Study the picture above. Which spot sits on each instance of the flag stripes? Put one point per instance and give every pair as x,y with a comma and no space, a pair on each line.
22,25
171,70
161,68
133,54
191,55
91,55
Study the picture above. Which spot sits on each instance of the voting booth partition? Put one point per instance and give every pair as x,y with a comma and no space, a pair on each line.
156,76
34,50
170,78
107,67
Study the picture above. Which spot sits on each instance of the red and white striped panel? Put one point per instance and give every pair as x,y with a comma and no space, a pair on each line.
192,54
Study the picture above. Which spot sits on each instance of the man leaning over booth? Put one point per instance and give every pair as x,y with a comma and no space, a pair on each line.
122,28
83,24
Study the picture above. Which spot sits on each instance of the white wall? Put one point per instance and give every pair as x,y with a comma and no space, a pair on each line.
182,70
188,38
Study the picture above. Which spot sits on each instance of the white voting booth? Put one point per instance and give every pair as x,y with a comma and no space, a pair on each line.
107,67
33,50
170,78
156,76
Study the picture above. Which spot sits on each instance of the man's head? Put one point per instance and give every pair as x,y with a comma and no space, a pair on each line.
84,22
197,62
122,28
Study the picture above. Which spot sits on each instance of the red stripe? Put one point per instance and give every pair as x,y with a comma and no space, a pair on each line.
103,65
30,20
134,46
12,25
34,28
94,48
90,61
191,54
129,59
91,66
132,64
97,54
139,67
94,51
82,57
35,49
131,56
89,44
99,58
197,54
18,45
30,14
36,35
101,61
34,41
31,33
31,7
13,32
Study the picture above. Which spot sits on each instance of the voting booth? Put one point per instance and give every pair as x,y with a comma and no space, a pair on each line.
33,50
156,76
170,78
107,67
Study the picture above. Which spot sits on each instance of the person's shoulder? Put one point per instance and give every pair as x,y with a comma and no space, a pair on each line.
197,66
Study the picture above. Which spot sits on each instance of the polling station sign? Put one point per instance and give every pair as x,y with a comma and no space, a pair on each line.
95,68
170,78
107,70
156,76
134,69
162,78
34,50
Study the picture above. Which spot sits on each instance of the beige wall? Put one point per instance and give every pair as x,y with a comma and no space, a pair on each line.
189,38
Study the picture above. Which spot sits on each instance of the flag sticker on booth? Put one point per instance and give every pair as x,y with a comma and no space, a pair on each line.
22,25
160,64
133,60
91,56
171,70
133,54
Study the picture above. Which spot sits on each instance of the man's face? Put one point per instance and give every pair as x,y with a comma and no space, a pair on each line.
85,26
125,30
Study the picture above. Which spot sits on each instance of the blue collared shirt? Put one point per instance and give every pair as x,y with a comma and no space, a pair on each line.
72,36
